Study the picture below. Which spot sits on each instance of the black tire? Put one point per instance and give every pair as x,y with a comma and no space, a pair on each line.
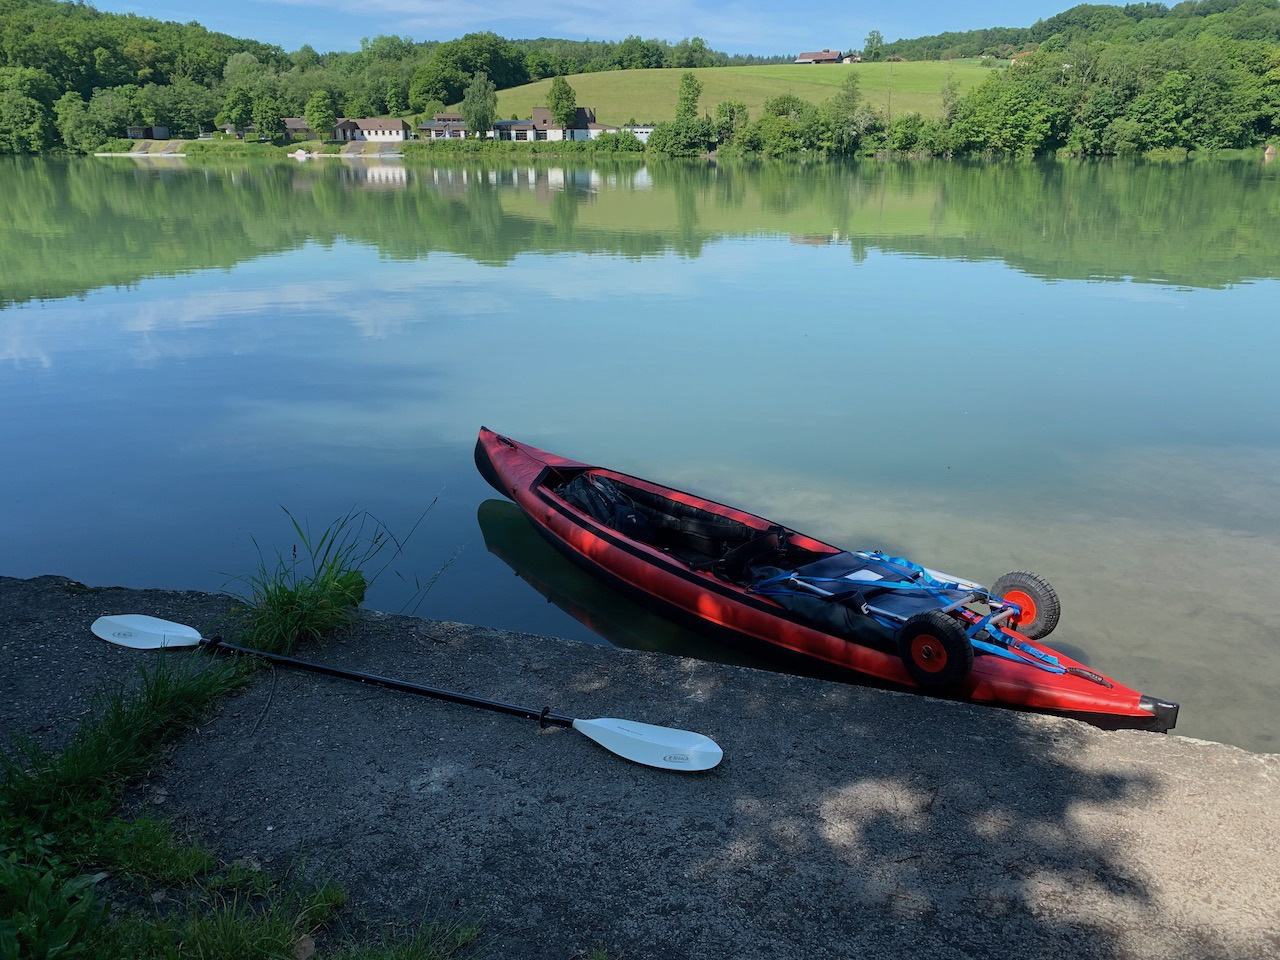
935,650
1041,607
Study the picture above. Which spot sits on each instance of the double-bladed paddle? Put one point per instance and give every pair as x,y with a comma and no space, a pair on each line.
646,743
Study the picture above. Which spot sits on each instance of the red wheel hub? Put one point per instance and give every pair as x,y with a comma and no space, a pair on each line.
928,654
1025,604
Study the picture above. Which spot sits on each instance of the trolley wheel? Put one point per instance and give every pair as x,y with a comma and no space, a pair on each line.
935,650
1035,597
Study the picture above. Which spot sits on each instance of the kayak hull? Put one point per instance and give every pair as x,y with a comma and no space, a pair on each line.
732,614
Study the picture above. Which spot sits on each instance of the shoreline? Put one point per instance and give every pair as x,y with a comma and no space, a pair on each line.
842,820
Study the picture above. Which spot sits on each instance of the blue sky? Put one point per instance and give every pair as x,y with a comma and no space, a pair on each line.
735,26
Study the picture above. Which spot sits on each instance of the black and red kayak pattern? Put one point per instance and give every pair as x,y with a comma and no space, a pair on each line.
681,577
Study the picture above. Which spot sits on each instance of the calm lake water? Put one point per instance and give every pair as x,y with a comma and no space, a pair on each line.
1066,368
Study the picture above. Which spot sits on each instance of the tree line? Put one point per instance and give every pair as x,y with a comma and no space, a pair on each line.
1132,23
73,77
1102,80
1089,98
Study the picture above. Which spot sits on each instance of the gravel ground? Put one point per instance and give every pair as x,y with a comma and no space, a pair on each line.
843,822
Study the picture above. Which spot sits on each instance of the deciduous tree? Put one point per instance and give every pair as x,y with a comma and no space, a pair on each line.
873,46
562,102
480,104
320,114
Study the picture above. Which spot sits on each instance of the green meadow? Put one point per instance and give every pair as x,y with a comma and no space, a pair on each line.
650,95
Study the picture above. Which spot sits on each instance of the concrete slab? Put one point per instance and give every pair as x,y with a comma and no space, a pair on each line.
843,822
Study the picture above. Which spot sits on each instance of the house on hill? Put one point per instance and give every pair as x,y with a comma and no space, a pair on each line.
820,56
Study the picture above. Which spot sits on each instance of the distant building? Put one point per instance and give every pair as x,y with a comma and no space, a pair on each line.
640,131
295,128
584,126
515,130
820,56
376,128
147,133
443,126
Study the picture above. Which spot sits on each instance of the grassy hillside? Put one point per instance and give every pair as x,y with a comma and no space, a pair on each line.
650,95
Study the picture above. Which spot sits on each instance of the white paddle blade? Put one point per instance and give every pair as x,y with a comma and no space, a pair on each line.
141,632
654,746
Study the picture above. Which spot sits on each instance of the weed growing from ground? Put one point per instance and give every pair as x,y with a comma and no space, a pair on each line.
309,593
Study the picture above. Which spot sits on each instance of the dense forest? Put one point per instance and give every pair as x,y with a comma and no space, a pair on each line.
1134,23
75,77
1094,80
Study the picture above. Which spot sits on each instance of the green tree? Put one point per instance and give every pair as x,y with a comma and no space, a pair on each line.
242,68
687,100
237,107
688,135
436,81
563,103
873,46
268,116
480,104
320,114
731,118
75,127
30,82
183,106
397,100
25,123
849,119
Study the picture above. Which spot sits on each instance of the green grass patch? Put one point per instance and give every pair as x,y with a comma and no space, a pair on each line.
232,148
49,801
314,589
63,842
60,840
302,599
619,96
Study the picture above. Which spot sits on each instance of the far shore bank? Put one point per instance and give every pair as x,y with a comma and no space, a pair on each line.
552,150
843,821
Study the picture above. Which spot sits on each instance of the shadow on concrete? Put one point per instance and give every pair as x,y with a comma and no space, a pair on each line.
855,820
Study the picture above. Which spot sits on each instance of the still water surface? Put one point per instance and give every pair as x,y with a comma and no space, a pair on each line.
1063,368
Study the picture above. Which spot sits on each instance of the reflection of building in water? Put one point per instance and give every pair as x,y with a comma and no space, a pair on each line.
385,175
543,181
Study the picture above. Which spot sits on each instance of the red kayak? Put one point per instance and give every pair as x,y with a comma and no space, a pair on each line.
744,578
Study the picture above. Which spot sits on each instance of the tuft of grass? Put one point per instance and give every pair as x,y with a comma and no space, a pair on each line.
426,942
49,801
232,925
303,599
312,592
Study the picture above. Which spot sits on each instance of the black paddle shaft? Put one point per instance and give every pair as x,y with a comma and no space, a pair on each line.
544,717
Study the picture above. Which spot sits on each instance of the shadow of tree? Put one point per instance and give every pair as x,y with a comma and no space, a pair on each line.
876,823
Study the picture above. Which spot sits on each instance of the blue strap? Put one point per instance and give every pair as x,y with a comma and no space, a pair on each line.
1021,651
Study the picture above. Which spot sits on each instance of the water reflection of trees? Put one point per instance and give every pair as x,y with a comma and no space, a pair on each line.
76,225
